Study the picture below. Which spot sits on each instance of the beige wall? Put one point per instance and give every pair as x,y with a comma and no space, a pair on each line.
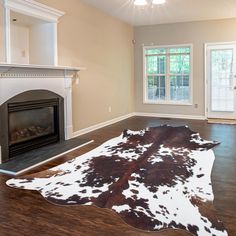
196,33
103,44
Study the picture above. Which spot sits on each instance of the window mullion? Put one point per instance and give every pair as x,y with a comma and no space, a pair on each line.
168,76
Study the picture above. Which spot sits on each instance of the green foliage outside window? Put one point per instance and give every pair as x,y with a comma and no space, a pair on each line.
156,60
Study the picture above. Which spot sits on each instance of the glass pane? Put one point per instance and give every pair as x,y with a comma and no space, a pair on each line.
180,50
156,64
180,64
156,88
179,88
222,94
29,124
155,51
150,88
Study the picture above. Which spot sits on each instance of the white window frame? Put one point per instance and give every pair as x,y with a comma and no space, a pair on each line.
168,102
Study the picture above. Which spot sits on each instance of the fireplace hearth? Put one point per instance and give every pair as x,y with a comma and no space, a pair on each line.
30,120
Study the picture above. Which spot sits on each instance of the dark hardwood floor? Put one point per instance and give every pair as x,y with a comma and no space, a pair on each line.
28,213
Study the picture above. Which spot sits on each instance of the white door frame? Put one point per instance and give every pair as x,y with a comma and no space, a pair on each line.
206,83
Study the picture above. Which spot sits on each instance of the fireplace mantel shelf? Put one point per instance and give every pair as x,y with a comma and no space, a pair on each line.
48,67
31,70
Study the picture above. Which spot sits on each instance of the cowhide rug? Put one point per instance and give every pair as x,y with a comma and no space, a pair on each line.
155,179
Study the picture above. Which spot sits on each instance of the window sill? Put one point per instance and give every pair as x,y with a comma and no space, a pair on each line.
168,103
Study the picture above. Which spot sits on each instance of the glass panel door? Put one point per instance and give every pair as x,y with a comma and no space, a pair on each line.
221,81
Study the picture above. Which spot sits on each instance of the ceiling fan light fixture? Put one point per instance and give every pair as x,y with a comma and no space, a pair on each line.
157,2
140,2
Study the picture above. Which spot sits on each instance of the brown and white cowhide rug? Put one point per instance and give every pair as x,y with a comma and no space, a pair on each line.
155,179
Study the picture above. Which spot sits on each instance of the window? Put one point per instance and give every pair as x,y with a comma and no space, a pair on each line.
167,74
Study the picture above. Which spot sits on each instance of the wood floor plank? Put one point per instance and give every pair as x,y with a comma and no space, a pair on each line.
27,213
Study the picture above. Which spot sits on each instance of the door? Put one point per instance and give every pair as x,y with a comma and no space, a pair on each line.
221,81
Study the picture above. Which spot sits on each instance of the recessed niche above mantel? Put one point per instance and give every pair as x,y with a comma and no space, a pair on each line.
30,32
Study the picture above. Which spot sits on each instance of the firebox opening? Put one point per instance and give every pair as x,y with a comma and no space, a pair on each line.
30,120
32,125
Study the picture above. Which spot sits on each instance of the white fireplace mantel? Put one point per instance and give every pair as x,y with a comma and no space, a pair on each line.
27,70
15,79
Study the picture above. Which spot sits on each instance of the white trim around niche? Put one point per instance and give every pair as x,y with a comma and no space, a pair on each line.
34,9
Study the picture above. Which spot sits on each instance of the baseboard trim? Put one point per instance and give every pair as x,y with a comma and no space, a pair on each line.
160,115
118,119
101,125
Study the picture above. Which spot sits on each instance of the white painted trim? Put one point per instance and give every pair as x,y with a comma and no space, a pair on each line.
168,46
35,66
101,125
144,75
205,79
191,75
174,116
110,122
7,39
34,9
11,71
43,162
168,101
68,107
220,43
206,75
55,44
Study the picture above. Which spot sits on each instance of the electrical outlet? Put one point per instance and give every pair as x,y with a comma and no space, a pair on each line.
195,105
109,109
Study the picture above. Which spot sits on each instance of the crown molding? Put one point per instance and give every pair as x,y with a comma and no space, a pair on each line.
34,9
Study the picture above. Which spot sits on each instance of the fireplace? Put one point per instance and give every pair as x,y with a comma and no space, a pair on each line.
32,124
31,120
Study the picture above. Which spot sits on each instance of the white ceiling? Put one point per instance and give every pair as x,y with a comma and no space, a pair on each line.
170,12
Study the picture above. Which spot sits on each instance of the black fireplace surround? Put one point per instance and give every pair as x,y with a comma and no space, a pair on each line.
30,120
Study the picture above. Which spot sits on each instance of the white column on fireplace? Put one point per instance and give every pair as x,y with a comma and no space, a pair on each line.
68,105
